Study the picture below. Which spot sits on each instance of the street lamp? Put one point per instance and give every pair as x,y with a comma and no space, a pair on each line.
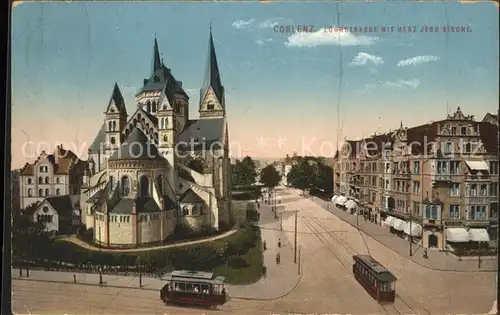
100,251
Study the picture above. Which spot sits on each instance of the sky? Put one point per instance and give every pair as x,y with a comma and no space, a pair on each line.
303,91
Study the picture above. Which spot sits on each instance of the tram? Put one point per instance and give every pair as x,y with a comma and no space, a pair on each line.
194,287
375,278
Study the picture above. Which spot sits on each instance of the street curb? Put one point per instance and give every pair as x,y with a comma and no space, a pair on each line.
83,283
145,249
270,299
404,256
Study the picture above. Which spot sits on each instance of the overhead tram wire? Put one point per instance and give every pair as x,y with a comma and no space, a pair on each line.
339,128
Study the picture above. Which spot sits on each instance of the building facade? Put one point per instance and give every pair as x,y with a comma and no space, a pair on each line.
57,174
442,175
157,168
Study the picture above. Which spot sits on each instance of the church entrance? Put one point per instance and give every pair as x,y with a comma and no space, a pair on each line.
432,241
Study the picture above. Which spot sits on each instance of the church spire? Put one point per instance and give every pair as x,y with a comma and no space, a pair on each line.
212,75
156,63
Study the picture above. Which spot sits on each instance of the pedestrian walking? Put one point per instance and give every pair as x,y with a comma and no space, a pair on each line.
264,271
279,242
425,253
278,259
74,278
264,245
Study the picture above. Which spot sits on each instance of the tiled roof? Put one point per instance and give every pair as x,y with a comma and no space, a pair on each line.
189,196
66,160
100,138
204,133
424,135
136,147
117,100
142,205
62,204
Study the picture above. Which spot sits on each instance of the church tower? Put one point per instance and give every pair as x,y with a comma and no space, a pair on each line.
167,131
212,99
115,120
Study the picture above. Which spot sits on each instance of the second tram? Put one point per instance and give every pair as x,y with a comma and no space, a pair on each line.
375,278
194,287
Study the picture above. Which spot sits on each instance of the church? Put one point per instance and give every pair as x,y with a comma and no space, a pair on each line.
158,167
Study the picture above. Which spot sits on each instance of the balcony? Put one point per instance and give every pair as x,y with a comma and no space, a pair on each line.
402,174
477,177
441,178
478,200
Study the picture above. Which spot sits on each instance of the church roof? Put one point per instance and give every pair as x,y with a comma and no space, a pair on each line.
99,138
189,196
117,100
142,205
212,74
62,204
136,147
205,133
151,117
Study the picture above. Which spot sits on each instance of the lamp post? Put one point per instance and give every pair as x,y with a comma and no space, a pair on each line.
100,267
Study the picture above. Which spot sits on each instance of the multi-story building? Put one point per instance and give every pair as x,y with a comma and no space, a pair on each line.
57,174
491,118
441,176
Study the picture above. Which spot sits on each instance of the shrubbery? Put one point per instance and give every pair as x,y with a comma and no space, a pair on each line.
205,256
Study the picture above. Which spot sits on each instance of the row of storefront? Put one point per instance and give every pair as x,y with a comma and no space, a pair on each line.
345,203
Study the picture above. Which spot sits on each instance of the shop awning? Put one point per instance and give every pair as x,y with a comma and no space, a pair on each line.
477,165
341,200
334,198
457,235
413,229
351,204
479,235
399,225
389,221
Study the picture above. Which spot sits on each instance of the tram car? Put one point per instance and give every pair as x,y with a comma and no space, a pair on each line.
194,287
379,282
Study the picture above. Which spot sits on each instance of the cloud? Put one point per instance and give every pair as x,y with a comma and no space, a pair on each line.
373,71
402,84
270,23
261,42
323,38
399,84
239,24
416,60
362,59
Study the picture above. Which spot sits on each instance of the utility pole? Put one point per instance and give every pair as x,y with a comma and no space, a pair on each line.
100,267
298,265
411,234
295,239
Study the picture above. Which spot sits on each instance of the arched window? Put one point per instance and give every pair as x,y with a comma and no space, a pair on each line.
114,125
46,180
144,184
159,184
58,191
41,169
162,123
125,186
29,181
165,138
40,192
111,183
30,192
58,180
46,192
40,180
110,126
154,107
148,107
113,140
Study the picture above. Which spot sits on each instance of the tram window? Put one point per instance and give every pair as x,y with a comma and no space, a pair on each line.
189,287
204,288
182,286
196,288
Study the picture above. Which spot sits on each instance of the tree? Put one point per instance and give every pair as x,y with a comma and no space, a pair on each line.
244,172
302,175
270,177
324,180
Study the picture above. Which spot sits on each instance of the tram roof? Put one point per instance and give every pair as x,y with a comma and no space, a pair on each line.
193,276
381,272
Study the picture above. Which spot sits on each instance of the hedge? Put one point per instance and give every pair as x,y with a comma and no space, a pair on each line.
203,257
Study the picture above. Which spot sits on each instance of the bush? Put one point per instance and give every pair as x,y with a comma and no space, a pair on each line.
237,262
